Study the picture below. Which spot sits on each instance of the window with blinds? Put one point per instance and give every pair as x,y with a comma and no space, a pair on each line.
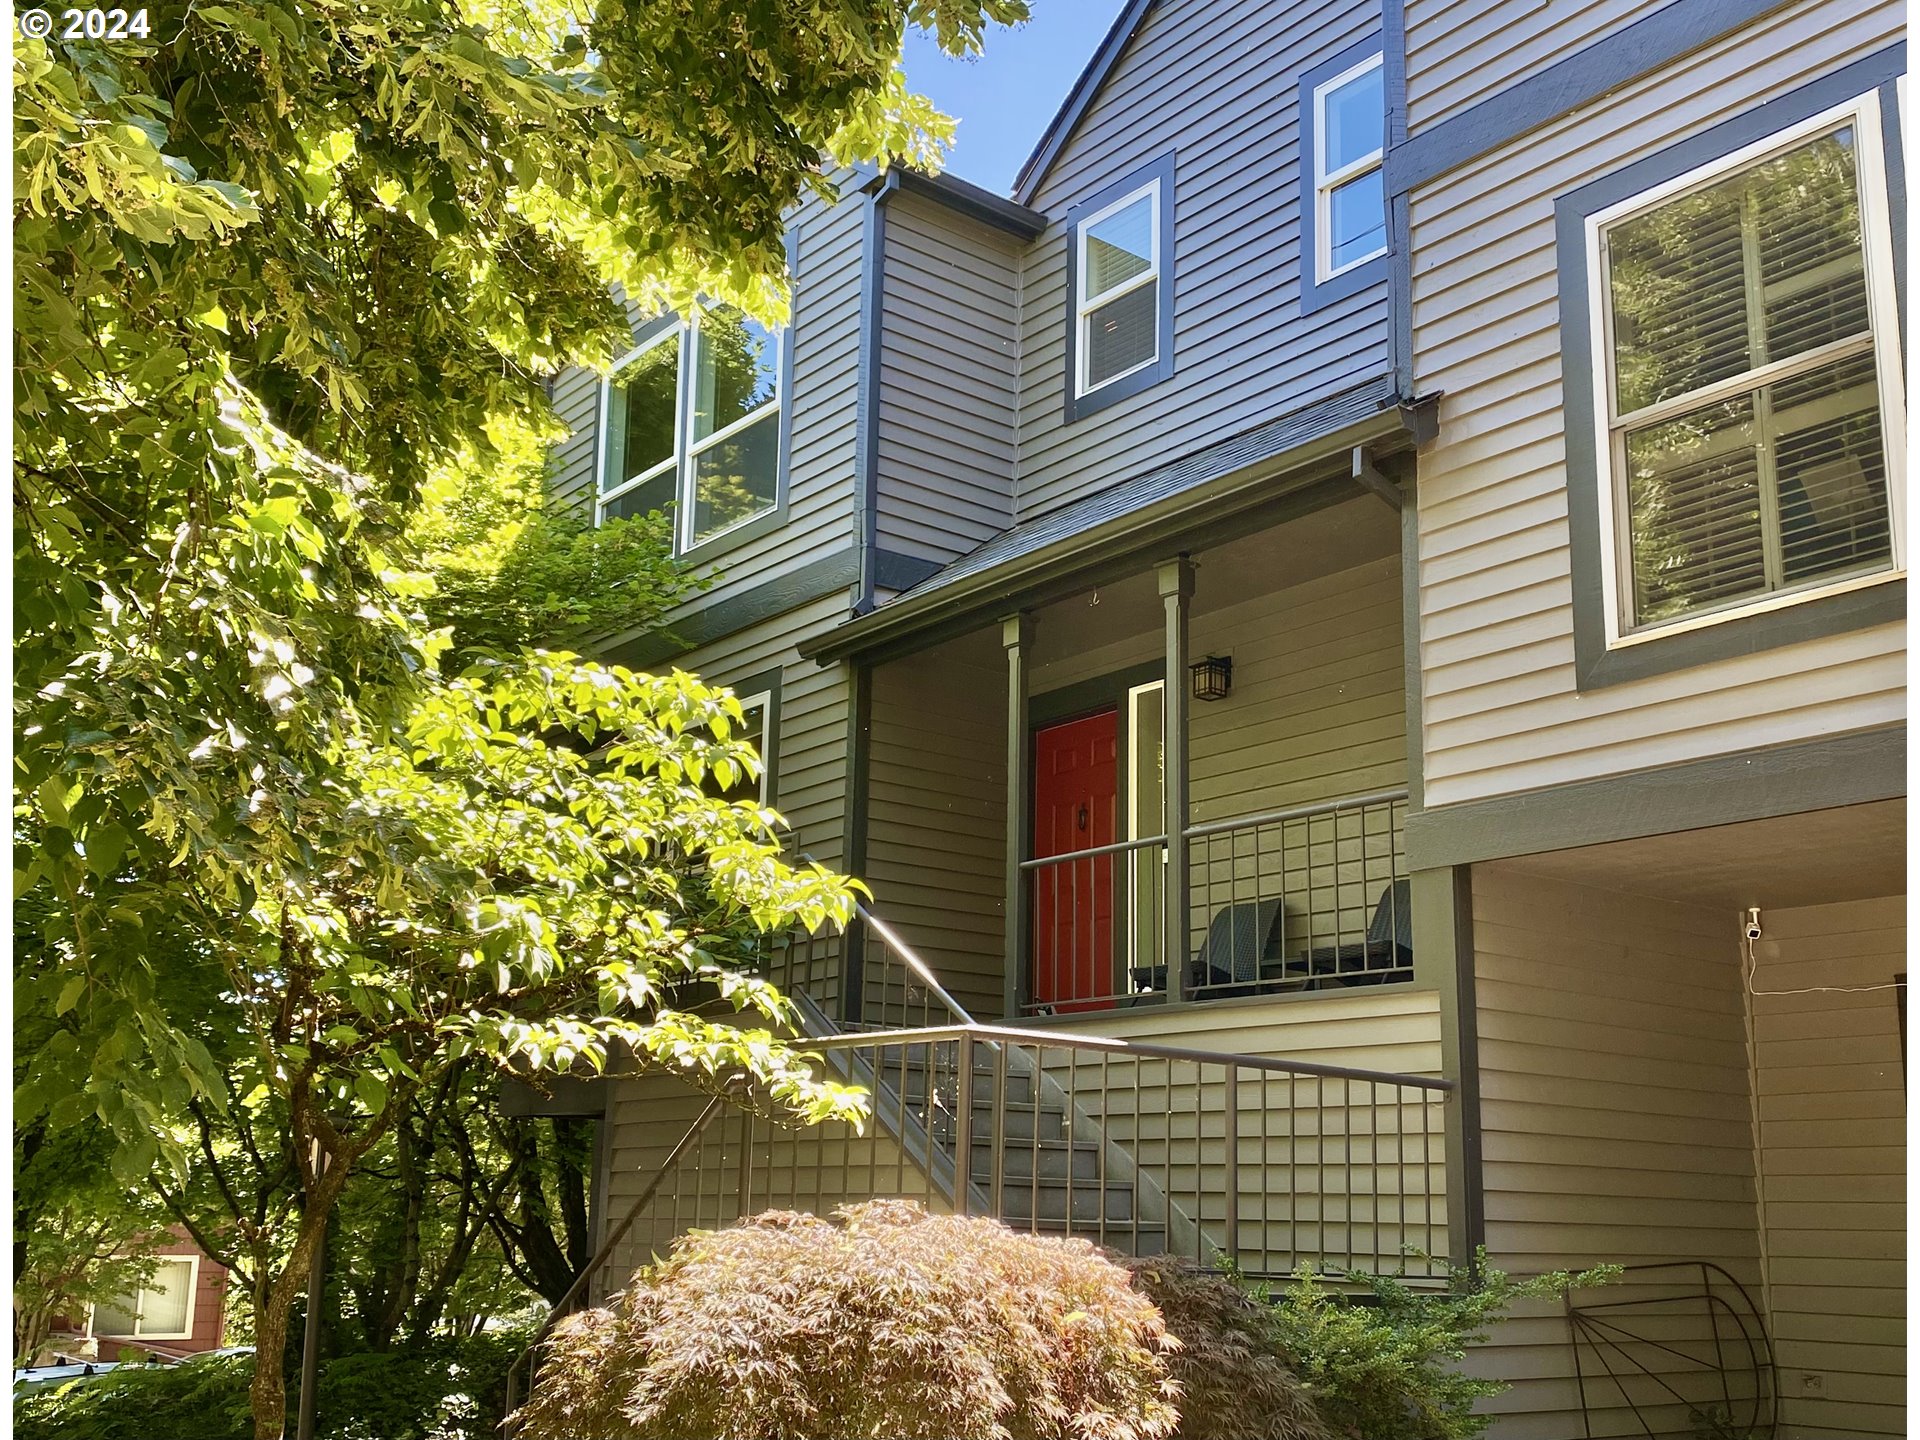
1744,429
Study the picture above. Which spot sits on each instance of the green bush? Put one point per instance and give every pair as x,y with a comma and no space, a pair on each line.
448,1390
882,1321
1382,1365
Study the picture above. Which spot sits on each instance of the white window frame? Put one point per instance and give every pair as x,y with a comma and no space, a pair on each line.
686,453
1325,183
763,701
1609,427
192,1262
1139,824
1085,305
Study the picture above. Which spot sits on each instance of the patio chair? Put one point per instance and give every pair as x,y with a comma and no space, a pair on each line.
1240,937
1386,954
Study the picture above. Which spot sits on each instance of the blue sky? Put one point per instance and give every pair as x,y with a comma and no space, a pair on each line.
1004,99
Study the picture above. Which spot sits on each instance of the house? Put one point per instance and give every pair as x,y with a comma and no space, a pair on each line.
179,1310
1354,628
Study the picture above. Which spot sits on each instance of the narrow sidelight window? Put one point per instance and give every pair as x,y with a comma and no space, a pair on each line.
1750,421
1350,134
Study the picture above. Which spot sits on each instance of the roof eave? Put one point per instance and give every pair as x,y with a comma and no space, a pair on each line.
1138,532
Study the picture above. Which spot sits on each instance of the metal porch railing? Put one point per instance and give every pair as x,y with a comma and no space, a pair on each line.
1314,897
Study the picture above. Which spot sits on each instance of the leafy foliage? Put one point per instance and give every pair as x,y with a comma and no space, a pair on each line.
447,1389
1386,1370
883,1321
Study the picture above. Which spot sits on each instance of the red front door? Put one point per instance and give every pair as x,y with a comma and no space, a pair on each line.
1075,790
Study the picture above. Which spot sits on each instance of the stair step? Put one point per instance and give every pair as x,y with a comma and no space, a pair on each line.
1018,1088
1055,1200
1052,1157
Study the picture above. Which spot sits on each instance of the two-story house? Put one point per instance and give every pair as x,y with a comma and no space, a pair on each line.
1319,619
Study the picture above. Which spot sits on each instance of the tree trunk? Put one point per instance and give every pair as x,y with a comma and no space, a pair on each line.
269,1388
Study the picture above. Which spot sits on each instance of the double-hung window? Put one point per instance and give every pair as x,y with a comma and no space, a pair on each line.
1120,338
757,732
1349,195
692,425
161,1309
1750,424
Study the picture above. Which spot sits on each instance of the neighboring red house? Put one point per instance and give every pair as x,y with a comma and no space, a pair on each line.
179,1311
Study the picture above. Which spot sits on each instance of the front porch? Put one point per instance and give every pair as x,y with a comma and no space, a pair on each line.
1059,804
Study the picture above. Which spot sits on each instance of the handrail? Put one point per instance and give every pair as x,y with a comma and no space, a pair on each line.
524,1361
1114,849
1297,812
1066,1040
914,963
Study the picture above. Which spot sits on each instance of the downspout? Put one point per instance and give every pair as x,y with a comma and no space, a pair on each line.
866,476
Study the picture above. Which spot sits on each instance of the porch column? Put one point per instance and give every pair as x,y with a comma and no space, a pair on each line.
1176,592
1016,633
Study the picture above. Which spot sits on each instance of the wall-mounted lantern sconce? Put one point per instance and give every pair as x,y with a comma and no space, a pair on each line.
1212,677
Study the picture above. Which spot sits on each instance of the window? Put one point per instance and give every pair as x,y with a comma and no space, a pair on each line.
161,1310
692,424
1748,413
1120,243
1350,137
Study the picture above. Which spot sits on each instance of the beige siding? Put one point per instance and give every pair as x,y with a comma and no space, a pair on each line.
948,379
1460,52
1615,1109
1500,707
937,826
1833,1165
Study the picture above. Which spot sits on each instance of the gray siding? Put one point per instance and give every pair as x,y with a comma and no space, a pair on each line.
1218,81
1615,1117
1460,52
948,378
1833,1163
1501,709
826,341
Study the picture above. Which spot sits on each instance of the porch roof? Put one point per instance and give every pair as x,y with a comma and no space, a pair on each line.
1199,498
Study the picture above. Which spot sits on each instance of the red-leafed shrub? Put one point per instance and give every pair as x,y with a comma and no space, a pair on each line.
883,1321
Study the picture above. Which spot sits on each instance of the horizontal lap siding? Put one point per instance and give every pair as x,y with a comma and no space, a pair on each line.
1833,1162
937,826
1460,52
1501,709
949,377
1216,80
1615,1114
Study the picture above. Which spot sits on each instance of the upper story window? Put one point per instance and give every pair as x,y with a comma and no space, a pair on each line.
1750,414
1350,139
692,425
1120,336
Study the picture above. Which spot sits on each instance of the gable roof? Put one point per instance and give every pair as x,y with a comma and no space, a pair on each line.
1054,139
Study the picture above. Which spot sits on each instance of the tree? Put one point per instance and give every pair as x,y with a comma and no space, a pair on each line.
278,263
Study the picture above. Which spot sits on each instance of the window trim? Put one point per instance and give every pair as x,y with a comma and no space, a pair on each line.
1318,291
192,1263
1862,113
1084,304
1597,667
1325,182
1158,176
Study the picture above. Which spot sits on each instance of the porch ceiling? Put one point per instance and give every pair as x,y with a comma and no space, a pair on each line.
1851,852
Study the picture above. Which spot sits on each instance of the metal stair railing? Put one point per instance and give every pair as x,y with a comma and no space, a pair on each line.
1146,1149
